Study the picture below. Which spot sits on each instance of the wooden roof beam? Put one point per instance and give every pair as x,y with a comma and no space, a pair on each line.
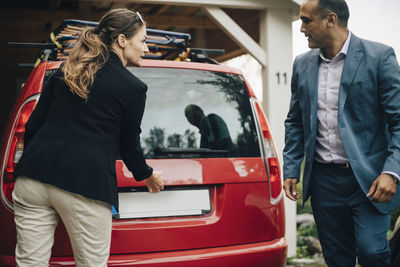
236,33
245,4
22,20
162,9
180,21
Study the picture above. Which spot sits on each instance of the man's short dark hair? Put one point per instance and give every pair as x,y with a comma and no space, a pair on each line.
339,7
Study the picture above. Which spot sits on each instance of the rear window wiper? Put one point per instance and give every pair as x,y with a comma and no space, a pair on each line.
177,150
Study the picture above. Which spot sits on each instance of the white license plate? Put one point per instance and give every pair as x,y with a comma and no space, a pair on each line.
163,204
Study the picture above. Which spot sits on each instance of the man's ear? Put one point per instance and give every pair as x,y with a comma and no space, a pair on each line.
332,19
121,40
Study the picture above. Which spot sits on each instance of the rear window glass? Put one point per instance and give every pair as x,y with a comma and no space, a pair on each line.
194,113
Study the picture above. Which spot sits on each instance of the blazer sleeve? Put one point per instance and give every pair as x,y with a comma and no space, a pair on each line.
40,112
130,149
389,96
293,153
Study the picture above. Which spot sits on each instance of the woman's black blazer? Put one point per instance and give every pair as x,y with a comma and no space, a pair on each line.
73,144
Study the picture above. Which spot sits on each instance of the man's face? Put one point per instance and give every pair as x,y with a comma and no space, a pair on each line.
312,26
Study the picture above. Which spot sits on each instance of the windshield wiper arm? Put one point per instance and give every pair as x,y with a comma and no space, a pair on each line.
178,150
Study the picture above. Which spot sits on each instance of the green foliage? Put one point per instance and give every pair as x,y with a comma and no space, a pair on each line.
302,233
389,233
394,216
307,230
301,252
299,203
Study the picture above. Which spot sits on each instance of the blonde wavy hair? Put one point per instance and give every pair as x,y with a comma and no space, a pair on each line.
93,46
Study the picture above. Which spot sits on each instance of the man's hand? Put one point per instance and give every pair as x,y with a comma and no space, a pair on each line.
290,187
383,189
154,183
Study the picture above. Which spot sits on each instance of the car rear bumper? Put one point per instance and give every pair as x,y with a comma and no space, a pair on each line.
271,253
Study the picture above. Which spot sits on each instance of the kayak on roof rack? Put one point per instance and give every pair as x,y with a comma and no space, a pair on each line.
163,45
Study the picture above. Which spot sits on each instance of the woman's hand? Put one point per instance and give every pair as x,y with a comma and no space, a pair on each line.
154,183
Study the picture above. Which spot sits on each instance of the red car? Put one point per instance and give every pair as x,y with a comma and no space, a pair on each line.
222,204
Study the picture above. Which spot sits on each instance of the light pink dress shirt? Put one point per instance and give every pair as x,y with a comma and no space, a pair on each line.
329,146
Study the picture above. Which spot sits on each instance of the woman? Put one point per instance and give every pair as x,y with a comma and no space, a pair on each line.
89,113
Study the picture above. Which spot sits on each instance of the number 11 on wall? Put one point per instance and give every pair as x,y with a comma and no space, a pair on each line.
278,77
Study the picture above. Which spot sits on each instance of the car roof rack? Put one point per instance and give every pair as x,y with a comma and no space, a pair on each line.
163,45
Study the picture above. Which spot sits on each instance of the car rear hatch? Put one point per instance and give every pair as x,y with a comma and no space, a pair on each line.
200,130
218,191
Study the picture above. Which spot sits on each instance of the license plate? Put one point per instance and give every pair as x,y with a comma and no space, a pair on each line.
133,205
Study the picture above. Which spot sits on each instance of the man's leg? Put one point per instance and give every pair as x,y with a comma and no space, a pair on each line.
370,230
330,188
88,223
35,220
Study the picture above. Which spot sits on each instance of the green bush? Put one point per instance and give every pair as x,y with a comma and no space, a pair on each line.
307,230
301,247
301,252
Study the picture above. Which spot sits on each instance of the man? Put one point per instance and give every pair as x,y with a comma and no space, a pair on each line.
213,130
344,123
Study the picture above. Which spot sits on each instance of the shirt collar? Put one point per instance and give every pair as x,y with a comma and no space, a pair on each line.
343,51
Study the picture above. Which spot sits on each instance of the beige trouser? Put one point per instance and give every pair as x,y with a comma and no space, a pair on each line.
36,209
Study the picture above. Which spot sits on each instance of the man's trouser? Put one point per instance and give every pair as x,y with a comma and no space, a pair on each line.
348,224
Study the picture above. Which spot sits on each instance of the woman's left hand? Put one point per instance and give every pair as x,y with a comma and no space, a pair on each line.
154,183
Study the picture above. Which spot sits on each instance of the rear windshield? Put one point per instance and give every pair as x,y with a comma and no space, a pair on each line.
195,113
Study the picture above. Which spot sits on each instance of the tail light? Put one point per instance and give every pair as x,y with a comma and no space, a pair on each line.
15,147
270,157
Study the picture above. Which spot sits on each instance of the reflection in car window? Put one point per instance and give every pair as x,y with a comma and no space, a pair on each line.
197,109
